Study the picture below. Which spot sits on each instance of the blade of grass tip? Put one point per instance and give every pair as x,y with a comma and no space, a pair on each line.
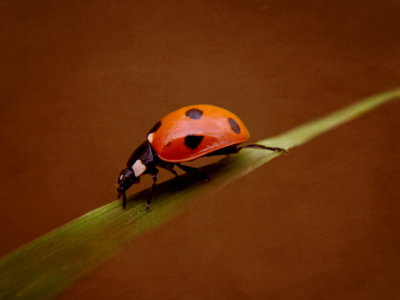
308,131
44,267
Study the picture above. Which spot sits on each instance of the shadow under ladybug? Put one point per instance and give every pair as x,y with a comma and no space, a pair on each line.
181,136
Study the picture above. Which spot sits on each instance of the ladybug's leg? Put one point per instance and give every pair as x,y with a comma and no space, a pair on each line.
225,151
257,146
192,170
122,194
154,173
124,200
169,167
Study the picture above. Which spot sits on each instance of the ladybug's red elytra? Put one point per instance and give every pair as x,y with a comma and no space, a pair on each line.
183,135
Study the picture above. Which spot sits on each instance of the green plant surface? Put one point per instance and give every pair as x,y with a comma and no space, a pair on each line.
44,267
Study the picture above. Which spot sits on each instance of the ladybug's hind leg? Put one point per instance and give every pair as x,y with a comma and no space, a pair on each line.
192,170
257,146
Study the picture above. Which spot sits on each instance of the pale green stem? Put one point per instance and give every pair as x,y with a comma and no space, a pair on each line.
44,267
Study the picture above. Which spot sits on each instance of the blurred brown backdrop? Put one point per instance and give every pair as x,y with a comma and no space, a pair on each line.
81,82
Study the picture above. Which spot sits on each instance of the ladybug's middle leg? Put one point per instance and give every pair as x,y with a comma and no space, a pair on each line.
192,170
169,167
154,174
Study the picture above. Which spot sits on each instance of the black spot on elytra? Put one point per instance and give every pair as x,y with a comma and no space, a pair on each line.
194,113
234,125
155,127
192,141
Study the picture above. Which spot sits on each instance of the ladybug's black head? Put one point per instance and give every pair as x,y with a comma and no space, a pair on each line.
125,180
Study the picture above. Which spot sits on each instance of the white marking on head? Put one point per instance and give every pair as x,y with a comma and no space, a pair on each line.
150,137
138,168
120,177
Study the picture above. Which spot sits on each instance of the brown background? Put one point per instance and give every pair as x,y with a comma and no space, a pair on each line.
82,82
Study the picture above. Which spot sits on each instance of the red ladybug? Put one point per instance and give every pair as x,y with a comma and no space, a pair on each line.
184,135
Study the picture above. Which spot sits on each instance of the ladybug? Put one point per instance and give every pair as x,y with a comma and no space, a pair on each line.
181,136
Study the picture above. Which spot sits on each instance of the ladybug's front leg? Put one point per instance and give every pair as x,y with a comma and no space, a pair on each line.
154,174
122,194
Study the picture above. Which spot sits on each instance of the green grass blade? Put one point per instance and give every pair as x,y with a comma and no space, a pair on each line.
45,266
